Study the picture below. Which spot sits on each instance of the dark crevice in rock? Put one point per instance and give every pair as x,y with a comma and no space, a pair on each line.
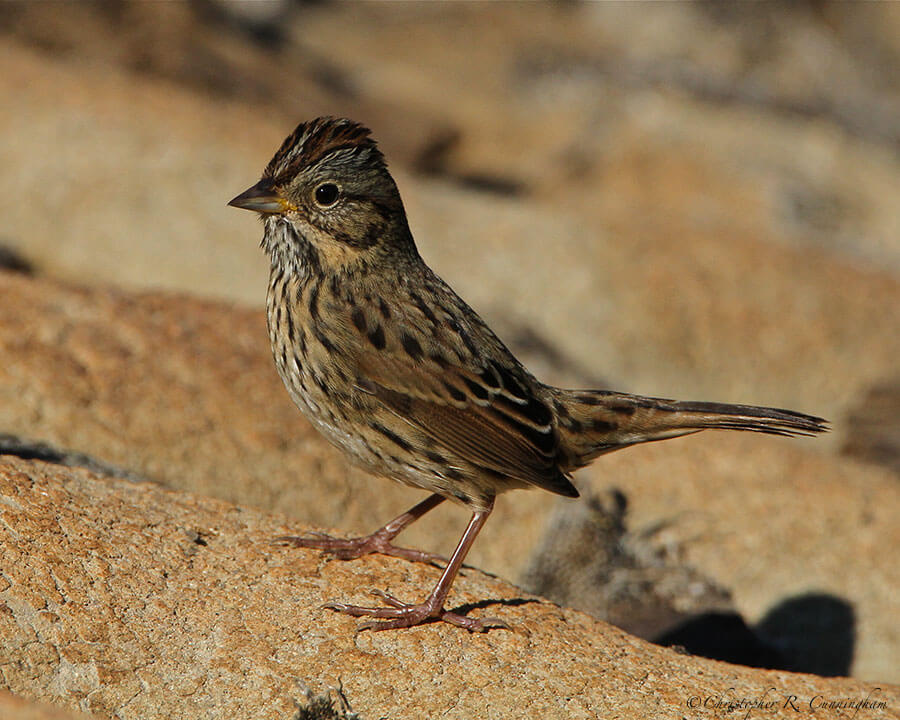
12,260
873,426
537,350
435,159
37,450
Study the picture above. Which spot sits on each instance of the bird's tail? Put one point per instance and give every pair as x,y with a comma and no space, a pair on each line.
594,422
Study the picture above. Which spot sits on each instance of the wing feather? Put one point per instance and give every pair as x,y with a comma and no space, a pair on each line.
439,368
488,424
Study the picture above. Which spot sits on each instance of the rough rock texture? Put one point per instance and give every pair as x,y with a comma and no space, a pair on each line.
178,390
183,391
695,200
126,599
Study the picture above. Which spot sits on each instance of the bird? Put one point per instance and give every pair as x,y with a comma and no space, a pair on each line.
397,371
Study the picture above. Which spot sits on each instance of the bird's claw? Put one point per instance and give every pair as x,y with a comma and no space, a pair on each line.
404,615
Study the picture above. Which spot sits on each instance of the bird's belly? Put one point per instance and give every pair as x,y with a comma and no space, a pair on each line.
326,413
344,424
349,428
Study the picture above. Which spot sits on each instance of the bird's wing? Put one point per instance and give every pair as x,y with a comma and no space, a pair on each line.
459,385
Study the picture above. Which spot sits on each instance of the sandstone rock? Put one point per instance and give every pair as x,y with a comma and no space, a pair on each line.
126,599
183,391
115,376
691,201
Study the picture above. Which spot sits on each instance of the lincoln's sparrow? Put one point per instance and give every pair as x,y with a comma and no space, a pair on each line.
396,370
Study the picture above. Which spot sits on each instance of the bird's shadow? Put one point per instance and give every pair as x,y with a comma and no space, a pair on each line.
812,633
466,608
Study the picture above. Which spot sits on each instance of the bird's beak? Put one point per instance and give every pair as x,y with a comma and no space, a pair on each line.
262,198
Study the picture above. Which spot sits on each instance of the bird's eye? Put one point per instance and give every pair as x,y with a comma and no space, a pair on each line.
327,194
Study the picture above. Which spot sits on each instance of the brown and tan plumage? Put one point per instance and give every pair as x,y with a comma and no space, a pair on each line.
396,370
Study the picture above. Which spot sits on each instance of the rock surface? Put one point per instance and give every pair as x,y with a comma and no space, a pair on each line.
125,599
183,392
687,200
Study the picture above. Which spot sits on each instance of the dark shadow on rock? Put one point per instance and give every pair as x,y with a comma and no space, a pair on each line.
13,261
542,355
263,23
435,159
466,608
813,633
722,636
37,450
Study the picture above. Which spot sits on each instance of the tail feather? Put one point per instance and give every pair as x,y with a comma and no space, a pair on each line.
774,421
594,422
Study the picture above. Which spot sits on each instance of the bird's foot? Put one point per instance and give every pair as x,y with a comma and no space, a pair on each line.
352,548
403,615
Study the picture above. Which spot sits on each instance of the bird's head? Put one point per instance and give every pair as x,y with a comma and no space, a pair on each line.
327,196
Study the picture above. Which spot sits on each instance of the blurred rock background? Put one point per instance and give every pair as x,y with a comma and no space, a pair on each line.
691,200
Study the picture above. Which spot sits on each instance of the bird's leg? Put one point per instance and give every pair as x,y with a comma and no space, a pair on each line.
378,542
403,615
